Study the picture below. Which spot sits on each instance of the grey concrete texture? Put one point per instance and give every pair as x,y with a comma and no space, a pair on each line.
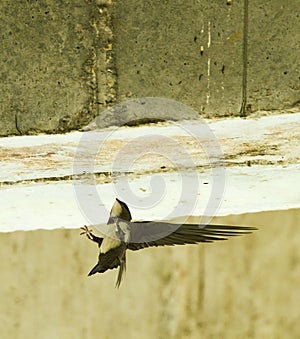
192,52
50,73
64,62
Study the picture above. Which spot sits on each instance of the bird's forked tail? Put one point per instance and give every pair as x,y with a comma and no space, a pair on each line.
122,270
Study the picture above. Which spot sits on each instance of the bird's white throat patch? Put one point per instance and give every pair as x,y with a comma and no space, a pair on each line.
108,244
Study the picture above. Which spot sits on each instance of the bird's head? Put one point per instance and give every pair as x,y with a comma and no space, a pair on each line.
119,211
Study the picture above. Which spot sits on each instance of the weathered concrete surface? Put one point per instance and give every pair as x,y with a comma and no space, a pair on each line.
273,60
54,65
192,52
247,287
62,62
161,171
188,51
271,140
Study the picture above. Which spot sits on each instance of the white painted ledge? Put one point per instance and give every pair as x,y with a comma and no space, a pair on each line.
261,157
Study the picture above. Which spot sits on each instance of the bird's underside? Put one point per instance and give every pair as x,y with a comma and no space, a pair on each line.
127,235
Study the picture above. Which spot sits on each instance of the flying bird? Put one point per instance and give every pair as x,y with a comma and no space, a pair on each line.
121,234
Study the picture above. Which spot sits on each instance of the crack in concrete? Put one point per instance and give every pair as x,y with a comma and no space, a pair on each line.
105,177
17,124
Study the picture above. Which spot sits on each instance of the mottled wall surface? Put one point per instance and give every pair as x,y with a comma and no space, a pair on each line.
189,51
193,52
54,61
63,62
247,287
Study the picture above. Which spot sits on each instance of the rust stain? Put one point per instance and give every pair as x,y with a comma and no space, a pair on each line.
235,37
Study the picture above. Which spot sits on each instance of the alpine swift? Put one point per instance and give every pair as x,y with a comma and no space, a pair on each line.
121,234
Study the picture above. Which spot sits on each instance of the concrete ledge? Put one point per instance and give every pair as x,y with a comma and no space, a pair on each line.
39,178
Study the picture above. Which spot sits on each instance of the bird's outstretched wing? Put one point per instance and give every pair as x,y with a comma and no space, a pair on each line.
146,234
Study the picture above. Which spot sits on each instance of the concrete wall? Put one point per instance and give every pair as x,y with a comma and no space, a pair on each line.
158,53
54,65
63,62
247,287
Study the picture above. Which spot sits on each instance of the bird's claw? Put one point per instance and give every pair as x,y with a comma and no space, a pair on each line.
87,232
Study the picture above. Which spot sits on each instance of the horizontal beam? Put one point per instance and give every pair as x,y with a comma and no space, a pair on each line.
163,172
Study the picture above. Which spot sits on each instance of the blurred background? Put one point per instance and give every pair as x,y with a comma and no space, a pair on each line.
245,287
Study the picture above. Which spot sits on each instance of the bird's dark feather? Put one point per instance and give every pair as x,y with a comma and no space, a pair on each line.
109,260
144,234
147,234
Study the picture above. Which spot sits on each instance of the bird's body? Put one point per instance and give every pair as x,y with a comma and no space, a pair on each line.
122,234
113,244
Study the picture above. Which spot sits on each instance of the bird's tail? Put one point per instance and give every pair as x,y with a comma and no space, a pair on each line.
96,269
122,270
